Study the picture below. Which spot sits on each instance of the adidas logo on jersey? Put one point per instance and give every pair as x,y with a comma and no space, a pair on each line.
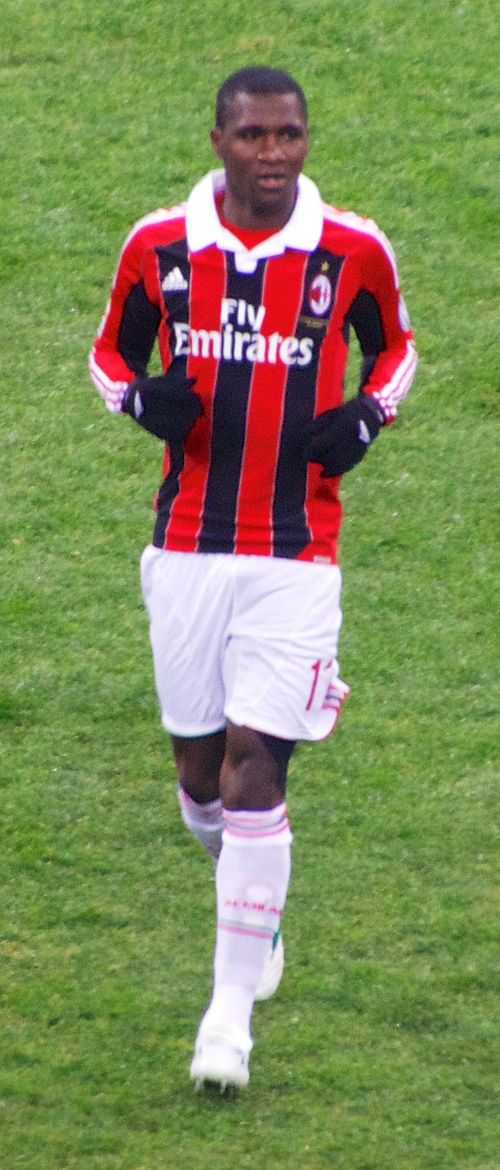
174,281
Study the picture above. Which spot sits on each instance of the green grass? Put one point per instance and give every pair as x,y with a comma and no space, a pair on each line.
379,1051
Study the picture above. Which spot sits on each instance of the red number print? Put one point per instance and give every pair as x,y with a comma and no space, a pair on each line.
316,667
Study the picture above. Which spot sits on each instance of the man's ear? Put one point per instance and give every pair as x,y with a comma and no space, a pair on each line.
215,138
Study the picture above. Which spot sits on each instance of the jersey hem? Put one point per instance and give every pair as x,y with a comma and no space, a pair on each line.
305,557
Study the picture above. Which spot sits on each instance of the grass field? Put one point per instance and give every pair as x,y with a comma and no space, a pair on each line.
380,1050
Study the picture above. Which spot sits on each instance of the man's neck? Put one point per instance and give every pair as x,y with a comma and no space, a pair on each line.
250,237
243,215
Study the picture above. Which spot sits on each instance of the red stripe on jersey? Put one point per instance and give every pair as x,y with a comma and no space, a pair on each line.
160,228
323,514
372,269
254,531
208,286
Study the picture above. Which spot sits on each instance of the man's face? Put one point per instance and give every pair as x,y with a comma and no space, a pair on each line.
263,146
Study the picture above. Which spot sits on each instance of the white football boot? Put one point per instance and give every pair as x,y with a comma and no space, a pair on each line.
221,1057
272,970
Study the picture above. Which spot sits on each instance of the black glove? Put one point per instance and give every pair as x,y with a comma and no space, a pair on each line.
165,405
340,437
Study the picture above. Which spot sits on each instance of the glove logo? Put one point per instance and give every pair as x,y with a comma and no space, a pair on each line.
320,295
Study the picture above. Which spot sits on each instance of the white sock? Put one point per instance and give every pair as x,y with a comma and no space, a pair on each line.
204,821
251,880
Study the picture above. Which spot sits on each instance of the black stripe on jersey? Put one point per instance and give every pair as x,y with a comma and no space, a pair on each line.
364,316
291,532
326,264
174,270
139,325
230,409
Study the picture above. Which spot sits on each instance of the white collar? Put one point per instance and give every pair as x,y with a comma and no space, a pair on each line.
203,226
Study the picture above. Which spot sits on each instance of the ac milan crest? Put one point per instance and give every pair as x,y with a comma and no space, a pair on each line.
320,295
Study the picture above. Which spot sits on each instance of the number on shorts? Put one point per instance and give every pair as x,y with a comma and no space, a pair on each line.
316,667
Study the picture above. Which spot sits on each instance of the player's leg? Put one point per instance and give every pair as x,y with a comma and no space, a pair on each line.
253,871
198,761
189,600
244,771
253,772
280,677
252,879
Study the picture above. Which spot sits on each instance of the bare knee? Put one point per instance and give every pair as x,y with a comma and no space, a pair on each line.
254,769
198,762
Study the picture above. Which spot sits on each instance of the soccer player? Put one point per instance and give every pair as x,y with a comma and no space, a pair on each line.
251,288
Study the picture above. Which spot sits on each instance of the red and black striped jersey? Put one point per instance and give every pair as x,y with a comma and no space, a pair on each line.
265,333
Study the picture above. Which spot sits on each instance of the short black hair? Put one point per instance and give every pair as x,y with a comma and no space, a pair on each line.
255,79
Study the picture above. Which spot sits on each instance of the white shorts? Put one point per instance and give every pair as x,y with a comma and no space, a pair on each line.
248,639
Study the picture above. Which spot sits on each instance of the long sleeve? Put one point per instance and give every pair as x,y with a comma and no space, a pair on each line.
379,316
128,328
